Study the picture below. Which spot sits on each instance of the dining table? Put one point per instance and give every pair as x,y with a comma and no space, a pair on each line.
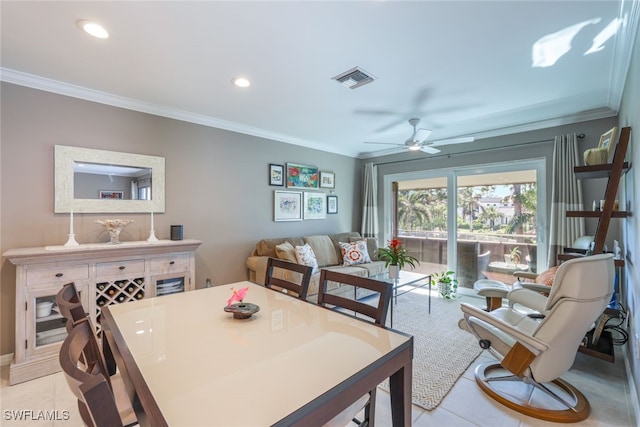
187,362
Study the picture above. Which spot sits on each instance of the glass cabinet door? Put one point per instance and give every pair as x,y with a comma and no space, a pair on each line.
49,323
45,325
170,284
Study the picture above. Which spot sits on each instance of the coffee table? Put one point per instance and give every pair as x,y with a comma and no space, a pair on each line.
406,282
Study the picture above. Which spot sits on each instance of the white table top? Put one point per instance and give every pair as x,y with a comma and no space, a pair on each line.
204,367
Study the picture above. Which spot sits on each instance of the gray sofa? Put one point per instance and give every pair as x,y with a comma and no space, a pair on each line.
328,254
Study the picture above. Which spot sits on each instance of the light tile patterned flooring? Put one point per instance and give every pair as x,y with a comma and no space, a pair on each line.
603,383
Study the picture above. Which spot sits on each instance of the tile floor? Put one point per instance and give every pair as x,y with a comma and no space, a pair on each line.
604,384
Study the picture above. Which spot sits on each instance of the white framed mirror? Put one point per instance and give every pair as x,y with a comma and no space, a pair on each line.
100,181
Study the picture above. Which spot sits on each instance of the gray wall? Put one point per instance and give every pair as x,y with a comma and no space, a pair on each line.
216,184
630,116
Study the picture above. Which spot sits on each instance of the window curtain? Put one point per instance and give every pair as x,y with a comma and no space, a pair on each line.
566,195
370,201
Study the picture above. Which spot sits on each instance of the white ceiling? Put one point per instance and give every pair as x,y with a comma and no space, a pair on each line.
463,67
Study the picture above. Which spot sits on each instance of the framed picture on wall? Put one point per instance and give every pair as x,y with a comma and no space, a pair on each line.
315,205
287,206
110,194
276,175
301,176
332,204
327,179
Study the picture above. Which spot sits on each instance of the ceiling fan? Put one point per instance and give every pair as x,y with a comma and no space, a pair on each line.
417,141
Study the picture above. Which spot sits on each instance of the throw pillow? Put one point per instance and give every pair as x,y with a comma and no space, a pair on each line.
285,251
546,277
324,250
372,246
305,255
355,253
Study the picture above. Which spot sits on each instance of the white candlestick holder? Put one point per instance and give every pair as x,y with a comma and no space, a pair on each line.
152,233
152,236
71,241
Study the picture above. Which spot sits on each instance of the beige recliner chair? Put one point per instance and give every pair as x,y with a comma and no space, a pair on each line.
536,352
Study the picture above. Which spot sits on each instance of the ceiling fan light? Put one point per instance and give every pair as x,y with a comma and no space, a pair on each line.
414,147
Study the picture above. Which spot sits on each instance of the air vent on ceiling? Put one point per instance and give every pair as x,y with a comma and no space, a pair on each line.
354,78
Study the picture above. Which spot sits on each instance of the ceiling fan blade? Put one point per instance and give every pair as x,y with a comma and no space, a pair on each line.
421,97
452,141
422,134
376,112
384,143
429,150
391,125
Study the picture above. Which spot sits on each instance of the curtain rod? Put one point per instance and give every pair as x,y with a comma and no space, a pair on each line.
579,136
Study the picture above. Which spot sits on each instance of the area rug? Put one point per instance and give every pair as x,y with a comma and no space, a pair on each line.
442,351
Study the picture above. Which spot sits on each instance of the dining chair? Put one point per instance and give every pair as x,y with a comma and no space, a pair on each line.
70,305
98,404
377,314
288,282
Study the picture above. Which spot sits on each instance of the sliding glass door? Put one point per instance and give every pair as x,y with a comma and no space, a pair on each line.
490,228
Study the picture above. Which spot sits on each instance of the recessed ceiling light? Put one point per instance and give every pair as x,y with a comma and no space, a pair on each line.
241,82
96,30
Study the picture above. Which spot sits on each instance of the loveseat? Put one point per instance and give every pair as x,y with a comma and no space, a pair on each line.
327,251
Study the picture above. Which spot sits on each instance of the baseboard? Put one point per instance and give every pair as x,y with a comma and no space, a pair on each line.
633,390
6,359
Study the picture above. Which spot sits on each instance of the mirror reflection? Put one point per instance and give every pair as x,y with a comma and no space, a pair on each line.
108,181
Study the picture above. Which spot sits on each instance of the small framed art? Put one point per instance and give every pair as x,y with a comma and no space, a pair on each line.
276,175
287,206
315,206
110,194
332,204
607,140
300,176
327,179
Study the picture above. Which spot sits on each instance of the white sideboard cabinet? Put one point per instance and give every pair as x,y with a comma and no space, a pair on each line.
103,273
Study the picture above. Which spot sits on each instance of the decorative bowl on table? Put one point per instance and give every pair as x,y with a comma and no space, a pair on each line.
242,310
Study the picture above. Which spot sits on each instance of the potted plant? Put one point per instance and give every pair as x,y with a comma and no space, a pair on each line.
447,284
514,255
395,256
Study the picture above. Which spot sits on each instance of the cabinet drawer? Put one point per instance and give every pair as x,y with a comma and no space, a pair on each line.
170,263
127,268
57,274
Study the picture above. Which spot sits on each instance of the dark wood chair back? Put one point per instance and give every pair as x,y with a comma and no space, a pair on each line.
300,289
86,377
68,300
377,313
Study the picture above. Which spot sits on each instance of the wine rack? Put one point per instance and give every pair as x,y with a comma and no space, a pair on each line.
116,292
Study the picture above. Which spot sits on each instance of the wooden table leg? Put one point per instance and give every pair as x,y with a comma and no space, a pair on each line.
400,390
